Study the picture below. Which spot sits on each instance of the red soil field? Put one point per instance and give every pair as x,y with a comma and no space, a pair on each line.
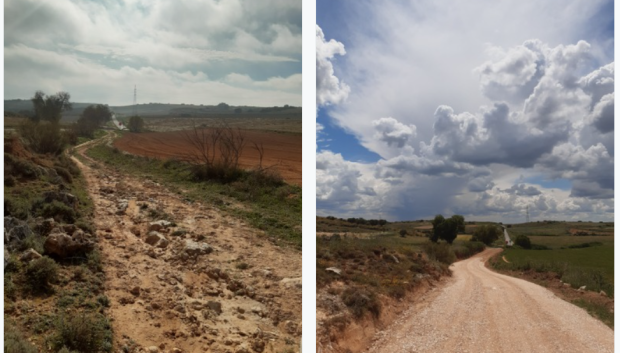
281,150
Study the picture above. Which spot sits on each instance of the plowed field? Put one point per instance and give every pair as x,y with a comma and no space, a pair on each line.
281,150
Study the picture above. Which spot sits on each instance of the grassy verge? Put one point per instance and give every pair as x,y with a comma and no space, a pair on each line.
98,134
55,304
596,310
275,210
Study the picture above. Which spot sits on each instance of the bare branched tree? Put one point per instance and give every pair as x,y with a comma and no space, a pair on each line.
218,147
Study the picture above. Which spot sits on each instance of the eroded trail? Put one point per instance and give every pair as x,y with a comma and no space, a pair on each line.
483,311
183,297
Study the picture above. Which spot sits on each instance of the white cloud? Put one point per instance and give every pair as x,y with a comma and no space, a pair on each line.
545,107
392,132
183,39
329,89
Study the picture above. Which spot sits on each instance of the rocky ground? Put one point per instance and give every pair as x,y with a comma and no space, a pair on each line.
183,277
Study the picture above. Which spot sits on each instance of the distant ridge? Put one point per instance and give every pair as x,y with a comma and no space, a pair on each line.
24,106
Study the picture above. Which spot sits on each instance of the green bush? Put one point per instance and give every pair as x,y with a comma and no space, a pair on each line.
216,172
467,249
19,168
59,211
42,137
441,252
33,241
64,174
360,300
486,234
523,241
9,181
14,341
83,332
40,274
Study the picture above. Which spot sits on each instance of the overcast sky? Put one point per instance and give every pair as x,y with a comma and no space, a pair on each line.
479,108
241,52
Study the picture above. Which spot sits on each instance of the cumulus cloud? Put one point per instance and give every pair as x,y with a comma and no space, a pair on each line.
586,167
329,89
522,190
491,137
542,109
392,132
343,184
515,74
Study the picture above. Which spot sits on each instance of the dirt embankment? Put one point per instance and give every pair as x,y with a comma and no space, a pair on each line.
335,335
280,150
483,311
205,282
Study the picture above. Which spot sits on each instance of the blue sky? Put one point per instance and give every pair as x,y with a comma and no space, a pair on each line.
201,52
444,107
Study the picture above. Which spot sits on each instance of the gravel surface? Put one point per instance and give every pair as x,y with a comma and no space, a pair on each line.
483,311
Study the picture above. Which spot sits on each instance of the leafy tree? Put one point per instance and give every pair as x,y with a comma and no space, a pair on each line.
402,233
523,241
437,228
98,114
445,229
460,222
50,108
136,124
92,117
486,234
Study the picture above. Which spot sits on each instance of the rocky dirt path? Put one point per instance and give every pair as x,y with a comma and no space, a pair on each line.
189,291
483,311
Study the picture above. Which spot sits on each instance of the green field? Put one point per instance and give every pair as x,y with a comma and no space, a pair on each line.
555,228
597,258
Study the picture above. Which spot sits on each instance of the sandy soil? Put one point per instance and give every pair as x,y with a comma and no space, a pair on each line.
483,311
165,299
281,150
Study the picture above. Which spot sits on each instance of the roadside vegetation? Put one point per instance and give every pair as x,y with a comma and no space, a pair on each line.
364,264
259,196
48,288
577,267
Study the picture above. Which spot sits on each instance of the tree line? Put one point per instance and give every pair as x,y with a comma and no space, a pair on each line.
448,228
43,132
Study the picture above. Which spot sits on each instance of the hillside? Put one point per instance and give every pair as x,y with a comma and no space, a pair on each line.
24,107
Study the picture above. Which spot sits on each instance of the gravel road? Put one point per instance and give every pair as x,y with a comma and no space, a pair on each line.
483,311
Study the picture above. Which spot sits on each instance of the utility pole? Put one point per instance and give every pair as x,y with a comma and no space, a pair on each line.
527,214
135,100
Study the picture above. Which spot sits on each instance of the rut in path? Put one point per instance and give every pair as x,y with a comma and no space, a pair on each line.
483,311
184,297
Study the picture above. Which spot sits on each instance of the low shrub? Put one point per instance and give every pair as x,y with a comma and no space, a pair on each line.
19,168
441,252
83,332
359,300
59,211
523,241
9,181
64,174
14,341
33,241
585,245
103,300
467,249
40,274
43,137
